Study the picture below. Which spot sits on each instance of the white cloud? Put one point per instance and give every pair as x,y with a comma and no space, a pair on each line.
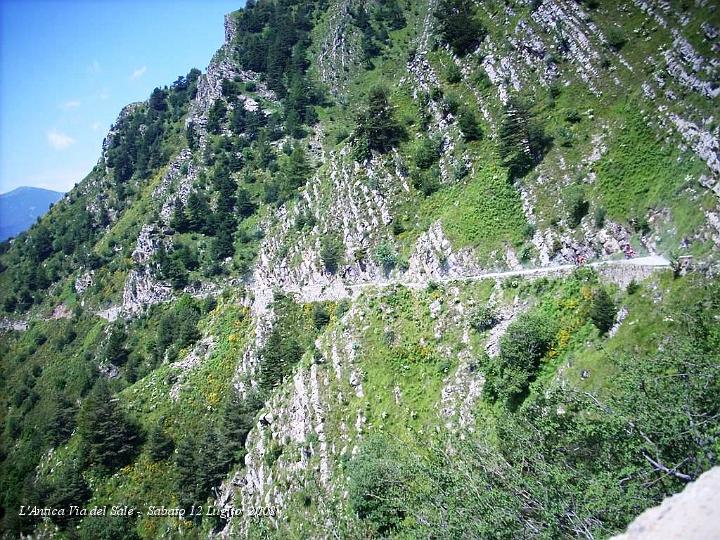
96,126
103,95
139,72
59,179
59,140
72,104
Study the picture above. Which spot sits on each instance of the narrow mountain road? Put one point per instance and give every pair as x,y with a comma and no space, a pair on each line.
338,290
651,261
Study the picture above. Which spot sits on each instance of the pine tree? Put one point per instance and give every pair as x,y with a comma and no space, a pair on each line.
179,220
469,125
245,205
377,123
108,437
159,445
459,26
602,311
198,211
522,140
61,419
186,466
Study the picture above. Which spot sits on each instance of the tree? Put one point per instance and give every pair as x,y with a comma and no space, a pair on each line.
577,205
523,142
179,220
109,438
61,419
281,352
216,116
158,100
522,347
245,205
377,125
459,26
469,125
115,351
331,252
602,311
198,211
159,445
67,487
238,418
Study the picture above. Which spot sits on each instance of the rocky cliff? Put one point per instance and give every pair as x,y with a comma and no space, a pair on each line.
384,269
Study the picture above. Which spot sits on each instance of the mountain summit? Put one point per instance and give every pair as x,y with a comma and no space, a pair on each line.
385,269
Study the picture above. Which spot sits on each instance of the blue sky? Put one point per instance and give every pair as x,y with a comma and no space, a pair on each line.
67,67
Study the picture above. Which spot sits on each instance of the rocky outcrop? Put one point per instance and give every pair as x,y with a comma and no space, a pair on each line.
692,514
143,289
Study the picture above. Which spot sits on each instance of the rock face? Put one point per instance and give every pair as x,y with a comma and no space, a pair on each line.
692,514
394,239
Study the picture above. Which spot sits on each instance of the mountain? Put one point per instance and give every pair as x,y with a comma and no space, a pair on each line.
385,269
21,207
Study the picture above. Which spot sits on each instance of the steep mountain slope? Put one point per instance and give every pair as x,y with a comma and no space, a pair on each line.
21,207
386,269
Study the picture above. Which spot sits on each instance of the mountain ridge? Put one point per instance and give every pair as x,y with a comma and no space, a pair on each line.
381,267
28,204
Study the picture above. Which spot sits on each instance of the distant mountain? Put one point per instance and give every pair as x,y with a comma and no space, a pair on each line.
21,207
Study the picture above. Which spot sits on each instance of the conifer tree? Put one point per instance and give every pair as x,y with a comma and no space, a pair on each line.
109,438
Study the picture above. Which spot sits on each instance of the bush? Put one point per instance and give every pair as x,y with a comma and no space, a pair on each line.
378,480
616,38
522,347
599,218
427,152
484,318
320,316
572,116
632,287
386,256
453,74
602,311
469,125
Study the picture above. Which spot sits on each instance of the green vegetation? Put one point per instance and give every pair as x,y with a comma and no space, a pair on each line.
459,26
377,129
523,142
451,408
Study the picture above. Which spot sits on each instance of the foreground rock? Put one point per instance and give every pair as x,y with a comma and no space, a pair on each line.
692,514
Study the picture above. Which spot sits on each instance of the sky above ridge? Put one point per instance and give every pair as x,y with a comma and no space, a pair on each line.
67,67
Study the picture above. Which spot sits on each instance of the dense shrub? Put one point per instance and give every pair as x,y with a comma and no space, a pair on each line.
522,347
377,485
484,318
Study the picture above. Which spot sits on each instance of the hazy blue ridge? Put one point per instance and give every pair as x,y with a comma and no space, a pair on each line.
21,207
